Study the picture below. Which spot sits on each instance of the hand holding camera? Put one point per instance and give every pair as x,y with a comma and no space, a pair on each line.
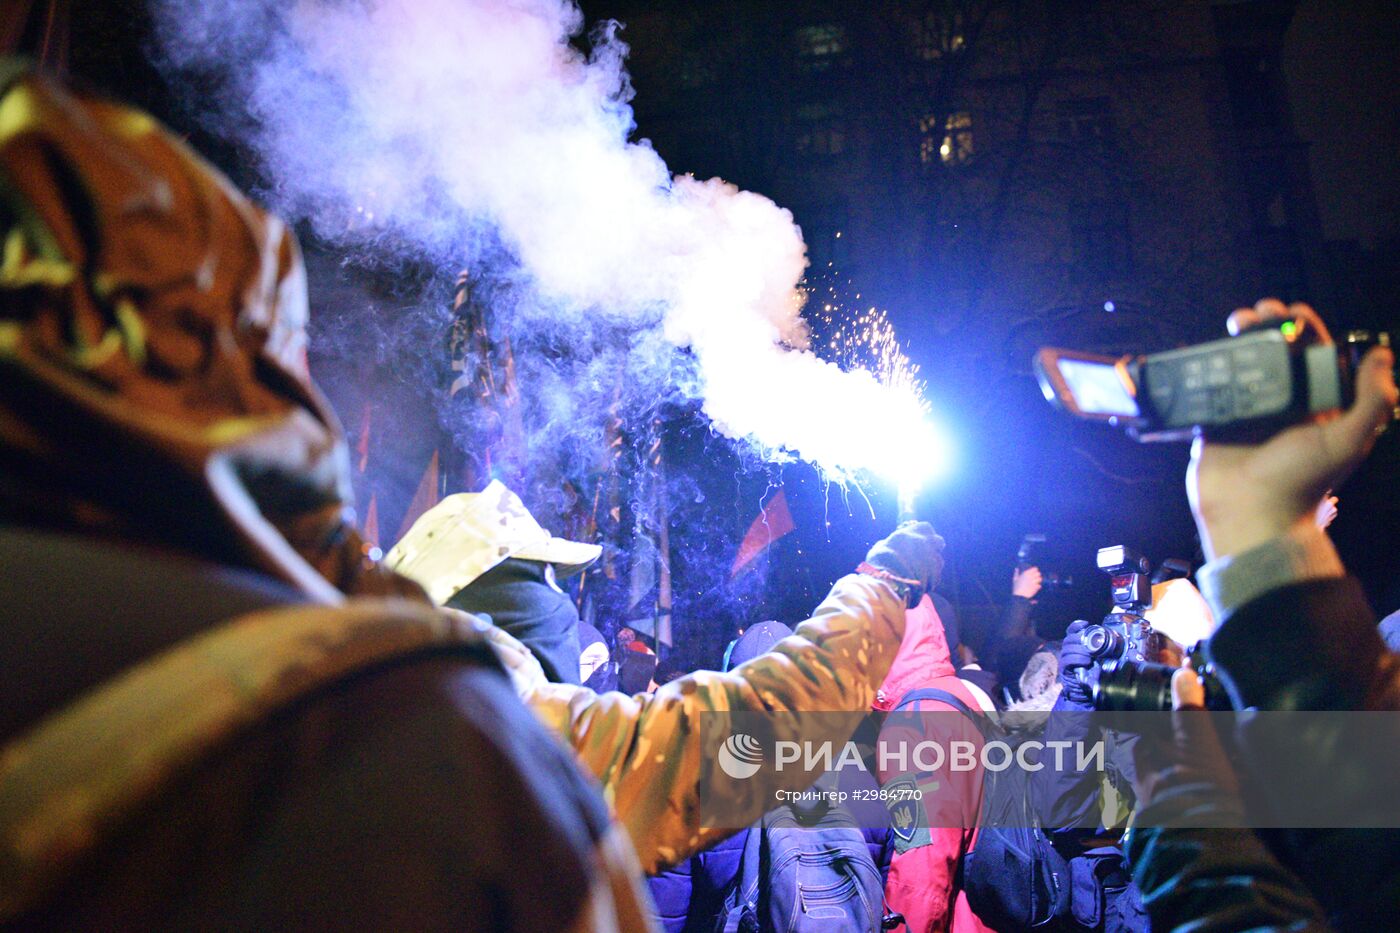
1026,583
1245,494
1076,659
1279,413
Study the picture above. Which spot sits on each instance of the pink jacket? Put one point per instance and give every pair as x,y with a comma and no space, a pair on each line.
922,878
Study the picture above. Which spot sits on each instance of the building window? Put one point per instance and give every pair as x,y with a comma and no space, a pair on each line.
938,34
822,140
950,142
1087,123
820,47
820,130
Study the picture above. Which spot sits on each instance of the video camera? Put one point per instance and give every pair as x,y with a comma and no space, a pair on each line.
1126,647
1026,557
1252,385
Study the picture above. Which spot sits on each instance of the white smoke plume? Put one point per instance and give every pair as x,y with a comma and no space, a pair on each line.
450,124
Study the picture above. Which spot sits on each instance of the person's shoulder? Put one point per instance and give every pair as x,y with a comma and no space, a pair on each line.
1389,628
436,758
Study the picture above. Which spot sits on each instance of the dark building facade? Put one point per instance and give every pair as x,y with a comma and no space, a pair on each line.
989,166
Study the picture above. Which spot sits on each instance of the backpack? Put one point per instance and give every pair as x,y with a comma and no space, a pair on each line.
805,871
1013,876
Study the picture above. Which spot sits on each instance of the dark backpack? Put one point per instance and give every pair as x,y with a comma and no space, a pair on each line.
805,871
1013,876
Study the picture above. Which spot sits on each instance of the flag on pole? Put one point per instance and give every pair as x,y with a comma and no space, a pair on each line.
424,497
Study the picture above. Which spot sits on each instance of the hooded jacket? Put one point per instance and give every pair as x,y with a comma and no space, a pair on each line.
1289,591
166,463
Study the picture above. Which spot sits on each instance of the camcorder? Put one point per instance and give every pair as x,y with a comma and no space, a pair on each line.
1027,556
1240,388
1126,647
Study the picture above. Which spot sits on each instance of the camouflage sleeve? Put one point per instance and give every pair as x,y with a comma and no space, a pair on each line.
649,752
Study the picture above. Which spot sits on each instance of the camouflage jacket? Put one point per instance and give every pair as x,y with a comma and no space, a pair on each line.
653,754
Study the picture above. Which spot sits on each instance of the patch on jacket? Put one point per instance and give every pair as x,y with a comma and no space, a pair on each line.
908,815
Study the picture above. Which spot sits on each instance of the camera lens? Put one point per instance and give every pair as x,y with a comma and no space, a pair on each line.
1125,686
1102,642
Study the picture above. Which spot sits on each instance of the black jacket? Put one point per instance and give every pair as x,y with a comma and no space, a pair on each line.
1307,646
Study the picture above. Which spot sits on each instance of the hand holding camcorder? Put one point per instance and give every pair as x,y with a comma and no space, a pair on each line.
1244,494
1028,557
1265,407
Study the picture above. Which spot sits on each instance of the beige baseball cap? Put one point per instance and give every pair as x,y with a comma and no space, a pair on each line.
467,534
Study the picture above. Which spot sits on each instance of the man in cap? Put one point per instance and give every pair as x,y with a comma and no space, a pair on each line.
484,553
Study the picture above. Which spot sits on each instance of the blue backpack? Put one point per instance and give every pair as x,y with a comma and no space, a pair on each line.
805,871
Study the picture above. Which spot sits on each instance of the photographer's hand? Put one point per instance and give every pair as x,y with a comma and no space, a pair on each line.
1026,583
1188,692
1243,495
1075,660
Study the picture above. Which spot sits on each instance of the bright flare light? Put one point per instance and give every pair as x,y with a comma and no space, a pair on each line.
841,422
863,408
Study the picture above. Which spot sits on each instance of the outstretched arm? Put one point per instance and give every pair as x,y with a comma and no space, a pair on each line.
648,752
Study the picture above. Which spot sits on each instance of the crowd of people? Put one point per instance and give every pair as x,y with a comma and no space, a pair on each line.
223,714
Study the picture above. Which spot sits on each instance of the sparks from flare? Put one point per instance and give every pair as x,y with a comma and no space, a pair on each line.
850,332
857,335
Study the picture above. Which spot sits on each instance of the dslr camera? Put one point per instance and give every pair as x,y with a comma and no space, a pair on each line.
1239,388
1125,646
1129,686
1123,634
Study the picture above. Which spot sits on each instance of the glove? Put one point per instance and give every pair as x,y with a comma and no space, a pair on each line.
1075,661
912,553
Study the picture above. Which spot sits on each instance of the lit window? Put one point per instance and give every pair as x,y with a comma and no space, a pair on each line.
938,34
818,47
952,146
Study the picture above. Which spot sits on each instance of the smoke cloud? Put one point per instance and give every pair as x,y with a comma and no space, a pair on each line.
456,129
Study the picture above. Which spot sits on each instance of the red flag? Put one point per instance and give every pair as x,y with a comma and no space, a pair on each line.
772,523
370,531
424,498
